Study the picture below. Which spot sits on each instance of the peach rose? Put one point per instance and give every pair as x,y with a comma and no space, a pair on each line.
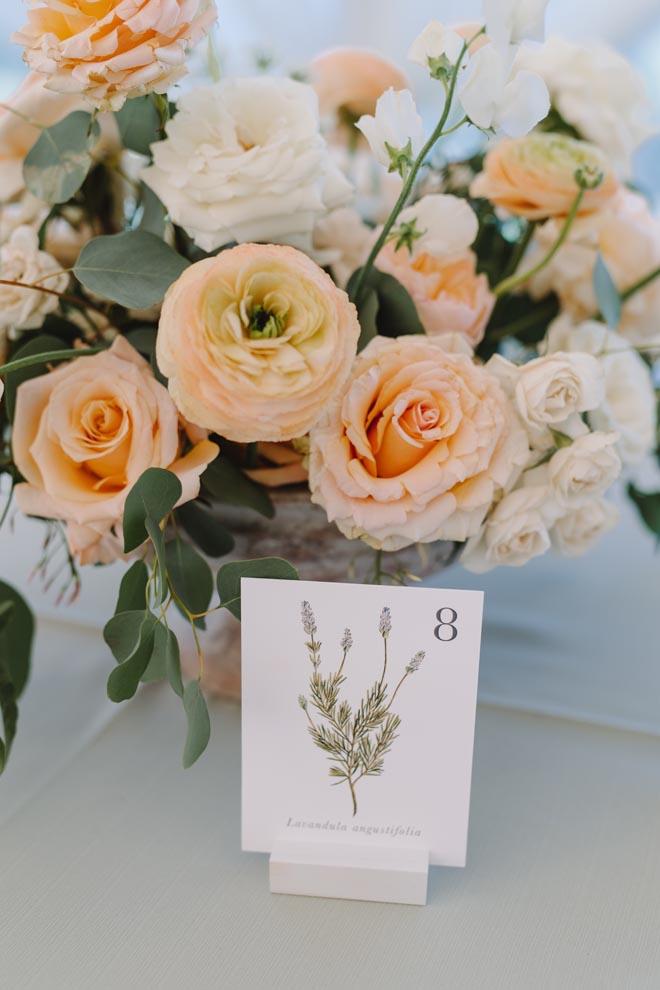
84,434
255,342
448,293
417,447
109,50
349,80
17,135
535,176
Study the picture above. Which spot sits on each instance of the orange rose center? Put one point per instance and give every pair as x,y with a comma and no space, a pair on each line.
403,434
105,436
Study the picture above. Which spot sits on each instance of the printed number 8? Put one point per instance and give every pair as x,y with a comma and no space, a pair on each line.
444,624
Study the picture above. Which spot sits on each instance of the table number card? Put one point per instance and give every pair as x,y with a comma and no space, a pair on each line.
358,728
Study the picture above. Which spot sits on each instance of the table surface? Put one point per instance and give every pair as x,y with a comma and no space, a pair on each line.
120,870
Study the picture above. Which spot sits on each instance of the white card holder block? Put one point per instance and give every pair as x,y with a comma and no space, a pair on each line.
352,872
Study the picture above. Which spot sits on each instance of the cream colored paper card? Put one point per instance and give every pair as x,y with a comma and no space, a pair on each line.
358,714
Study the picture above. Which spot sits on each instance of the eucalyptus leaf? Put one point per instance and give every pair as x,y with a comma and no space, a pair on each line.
157,666
139,124
124,680
391,314
153,211
607,294
158,541
153,496
203,528
133,588
648,506
16,637
229,578
122,633
173,663
41,344
190,575
134,269
57,164
199,724
229,485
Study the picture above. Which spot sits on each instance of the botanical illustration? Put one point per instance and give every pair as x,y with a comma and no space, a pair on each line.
356,741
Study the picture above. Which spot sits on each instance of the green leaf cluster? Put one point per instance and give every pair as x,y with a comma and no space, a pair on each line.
16,637
384,307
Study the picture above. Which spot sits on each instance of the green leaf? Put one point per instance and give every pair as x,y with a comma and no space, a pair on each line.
561,439
190,575
607,294
139,124
227,483
199,724
229,578
124,680
36,345
173,664
133,588
648,505
157,666
153,212
57,164
158,541
16,636
134,269
204,529
153,496
392,313
122,633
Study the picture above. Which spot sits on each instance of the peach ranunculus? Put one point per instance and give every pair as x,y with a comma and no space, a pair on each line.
109,50
536,176
84,434
448,293
30,102
417,448
349,81
255,342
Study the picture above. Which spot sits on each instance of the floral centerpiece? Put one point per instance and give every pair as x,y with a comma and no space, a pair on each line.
296,285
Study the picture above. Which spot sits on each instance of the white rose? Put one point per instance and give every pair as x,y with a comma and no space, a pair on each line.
516,531
585,469
395,124
22,261
447,225
597,91
513,21
629,405
580,529
27,210
244,160
436,43
496,95
551,392
342,241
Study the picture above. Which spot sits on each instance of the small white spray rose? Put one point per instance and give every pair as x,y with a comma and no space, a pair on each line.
516,532
497,96
584,470
437,48
576,532
396,132
22,261
509,22
440,225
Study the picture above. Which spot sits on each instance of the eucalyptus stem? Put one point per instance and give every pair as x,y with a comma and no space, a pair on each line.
641,284
64,296
513,281
47,356
414,169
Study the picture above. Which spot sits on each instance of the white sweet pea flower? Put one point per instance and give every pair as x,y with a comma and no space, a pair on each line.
584,470
396,132
497,96
516,532
508,22
580,529
441,225
437,48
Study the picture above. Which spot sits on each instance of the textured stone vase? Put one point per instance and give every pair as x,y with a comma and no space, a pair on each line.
300,533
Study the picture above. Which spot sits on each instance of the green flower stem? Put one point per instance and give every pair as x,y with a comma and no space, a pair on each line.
396,690
46,356
522,245
508,284
638,286
64,296
412,175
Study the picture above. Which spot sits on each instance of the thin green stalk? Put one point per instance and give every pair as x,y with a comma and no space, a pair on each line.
382,676
507,284
396,691
641,284
519,251
47,356
52,292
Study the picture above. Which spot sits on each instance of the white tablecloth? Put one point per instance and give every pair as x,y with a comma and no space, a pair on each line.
120,870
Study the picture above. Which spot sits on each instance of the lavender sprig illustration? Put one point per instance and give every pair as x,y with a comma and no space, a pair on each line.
355,742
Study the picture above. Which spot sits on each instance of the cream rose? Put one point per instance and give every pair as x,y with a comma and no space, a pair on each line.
109,50
585,469
515,533
551,392
629,405
535,176
577,532
448,293
255,342
417,447
244,160
84,434
22,261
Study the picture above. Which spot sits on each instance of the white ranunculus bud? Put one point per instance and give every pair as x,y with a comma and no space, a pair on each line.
22,261
497,96
582,527
515,532
396,132
440,225
584,470
437,48
629,405
509,22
